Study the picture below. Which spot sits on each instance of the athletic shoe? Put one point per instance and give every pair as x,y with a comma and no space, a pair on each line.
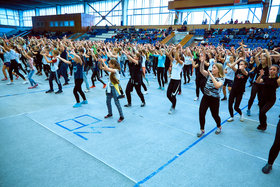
84,102
65,84
108,116
47,79
92,86
218,131
179,93
195,99
200,134
230,119
36,85
224,99
185,83
248,112
120,119
58,92
86,90
49,91
104,86
17,77
145,92
4,79
267,168
159,88
171,110
143,104
77,105
162,88
241,118
10,83
127,105
25,82
260,127
31,87
121,96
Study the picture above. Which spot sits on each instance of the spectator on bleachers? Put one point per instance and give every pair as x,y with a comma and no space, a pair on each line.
266,36
236,21
217,21
270,45
231,21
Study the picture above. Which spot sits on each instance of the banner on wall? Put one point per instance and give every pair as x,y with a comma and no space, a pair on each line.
240,2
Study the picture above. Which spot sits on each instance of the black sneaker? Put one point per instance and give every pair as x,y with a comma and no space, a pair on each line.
49,91
58,92
143,104
127,105
65,84
267,168
121,96
120,119
260,127
108,116
224,99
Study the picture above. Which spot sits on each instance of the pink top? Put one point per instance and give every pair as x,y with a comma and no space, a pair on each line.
30,61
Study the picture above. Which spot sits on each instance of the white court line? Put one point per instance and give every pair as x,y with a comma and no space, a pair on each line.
84,150
247,153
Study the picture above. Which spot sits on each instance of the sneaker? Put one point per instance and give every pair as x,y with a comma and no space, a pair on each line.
65,84
31,87
84,102
127,105
159,88
162,88
25,82
17,77
230,119
121,96
248,112
218,131
36,85
58,92
171,110
49,91
143,104
260,127
108,116
77,105
179,93
200,134
241,118
10,83
86,90
267,168
4,79
92,86
224,99
145,92
47,79
195,99
104,86
120,119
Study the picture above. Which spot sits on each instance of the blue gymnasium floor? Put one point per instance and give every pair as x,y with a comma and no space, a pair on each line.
46,142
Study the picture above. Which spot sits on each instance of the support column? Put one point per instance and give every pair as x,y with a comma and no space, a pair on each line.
20,15
124,17
265,11
278,17
37,12
86,8
58,9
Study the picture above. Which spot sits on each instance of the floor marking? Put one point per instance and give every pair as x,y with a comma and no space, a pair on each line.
83,150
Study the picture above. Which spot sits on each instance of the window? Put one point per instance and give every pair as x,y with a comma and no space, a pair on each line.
71,23
71,9
47,11
27,17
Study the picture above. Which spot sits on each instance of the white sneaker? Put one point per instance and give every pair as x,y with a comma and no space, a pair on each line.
86,90
25,82
241,118
10,83
230,119
171,110
145,92
195,99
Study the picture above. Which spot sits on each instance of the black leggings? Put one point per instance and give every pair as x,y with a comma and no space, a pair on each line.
254,91
274,150
265,106
160,74
165,74
129,88
199,83
238,97
21,68
14,66
187,69
209,102
47,69
78,88
96,74
173,89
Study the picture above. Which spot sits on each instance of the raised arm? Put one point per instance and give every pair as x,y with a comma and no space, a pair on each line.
201,68
63,60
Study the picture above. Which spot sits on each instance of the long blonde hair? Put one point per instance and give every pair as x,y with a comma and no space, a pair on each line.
221,69
113,78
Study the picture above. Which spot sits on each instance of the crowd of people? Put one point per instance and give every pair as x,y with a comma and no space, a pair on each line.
215,69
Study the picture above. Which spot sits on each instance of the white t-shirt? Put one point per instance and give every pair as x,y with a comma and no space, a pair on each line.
7,57
212,62
176,70
54,65
230,73
143,61
117,75
13,54
188,60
